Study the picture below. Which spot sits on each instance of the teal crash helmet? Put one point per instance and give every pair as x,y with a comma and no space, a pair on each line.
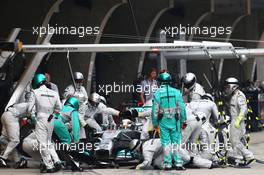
164,78
73,102
38,80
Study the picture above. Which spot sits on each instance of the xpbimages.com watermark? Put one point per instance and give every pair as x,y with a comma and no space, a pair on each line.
80,31
211,31
126,88
80,147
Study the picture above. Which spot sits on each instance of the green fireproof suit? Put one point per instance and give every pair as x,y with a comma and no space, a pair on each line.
67,115
168,111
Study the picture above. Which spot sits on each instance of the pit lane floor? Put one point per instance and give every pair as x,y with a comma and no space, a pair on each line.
256,145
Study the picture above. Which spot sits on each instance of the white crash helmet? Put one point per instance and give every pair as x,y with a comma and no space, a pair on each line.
95,99
189,80
230,85
78,76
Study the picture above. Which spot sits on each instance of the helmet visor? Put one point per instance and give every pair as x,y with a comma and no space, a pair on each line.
189,85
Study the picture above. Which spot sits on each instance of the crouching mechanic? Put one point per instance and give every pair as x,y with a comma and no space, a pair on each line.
68,120
152,153
67,130
11,133
95,107
168,112
46,102
237,110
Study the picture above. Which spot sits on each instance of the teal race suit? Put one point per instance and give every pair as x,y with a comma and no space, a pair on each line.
168,112
67,115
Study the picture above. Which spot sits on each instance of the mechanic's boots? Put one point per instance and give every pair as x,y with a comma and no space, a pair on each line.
47,170
57,166
144,167
167,167
75,165
52,170
223,163
3,163
249,161
43,169
215,165
22,163
242,163
180,168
